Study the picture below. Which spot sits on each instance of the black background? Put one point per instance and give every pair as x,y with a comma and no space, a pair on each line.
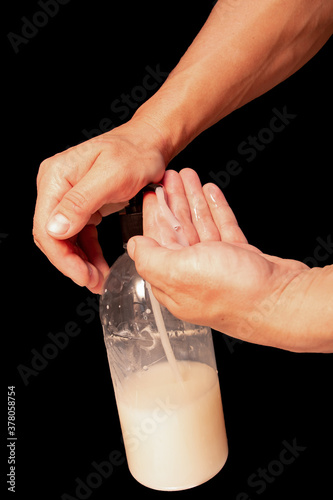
58,84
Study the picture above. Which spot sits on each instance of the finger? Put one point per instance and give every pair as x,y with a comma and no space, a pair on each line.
55,179
165,300
152,260
222,215
111,208
200,212
57,175
177,201
169,218
151,226
70,260
77,200
161,267
155,225
88,241
67,256
76,207
64,255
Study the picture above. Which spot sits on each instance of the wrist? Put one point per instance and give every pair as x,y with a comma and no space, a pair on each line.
298,316
171,113
311,313
144,146
155,137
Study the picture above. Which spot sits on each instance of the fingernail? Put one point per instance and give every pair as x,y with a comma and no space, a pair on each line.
58,224
131,247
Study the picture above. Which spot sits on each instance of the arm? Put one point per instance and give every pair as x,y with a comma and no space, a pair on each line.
303,314
243,50
223,282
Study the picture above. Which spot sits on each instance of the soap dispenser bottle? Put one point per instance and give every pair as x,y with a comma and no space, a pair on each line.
164,377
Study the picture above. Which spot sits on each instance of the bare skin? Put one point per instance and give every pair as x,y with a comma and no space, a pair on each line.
222,281
243,50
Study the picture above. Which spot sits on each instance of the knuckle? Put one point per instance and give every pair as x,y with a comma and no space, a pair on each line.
37,241
75,201
44,164
42,167
47,166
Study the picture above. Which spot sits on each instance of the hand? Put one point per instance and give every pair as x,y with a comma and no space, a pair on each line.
219,280
79,186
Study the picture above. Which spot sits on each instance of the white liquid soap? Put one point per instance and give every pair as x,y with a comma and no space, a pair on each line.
173,441
168,394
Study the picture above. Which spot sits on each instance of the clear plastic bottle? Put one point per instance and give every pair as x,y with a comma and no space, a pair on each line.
165,380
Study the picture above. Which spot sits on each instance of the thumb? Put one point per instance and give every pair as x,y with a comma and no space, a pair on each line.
149,257
79,206
138,246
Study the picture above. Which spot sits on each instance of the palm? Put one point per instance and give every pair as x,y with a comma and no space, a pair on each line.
219,271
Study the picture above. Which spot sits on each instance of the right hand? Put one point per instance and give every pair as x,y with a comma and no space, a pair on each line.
79,186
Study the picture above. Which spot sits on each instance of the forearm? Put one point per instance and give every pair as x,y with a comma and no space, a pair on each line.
243,50
301,319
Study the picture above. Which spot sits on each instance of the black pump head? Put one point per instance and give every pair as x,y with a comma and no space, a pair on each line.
131,216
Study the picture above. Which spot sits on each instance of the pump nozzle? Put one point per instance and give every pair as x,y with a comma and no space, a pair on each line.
131,215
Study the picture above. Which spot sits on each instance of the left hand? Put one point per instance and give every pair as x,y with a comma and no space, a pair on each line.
219,280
